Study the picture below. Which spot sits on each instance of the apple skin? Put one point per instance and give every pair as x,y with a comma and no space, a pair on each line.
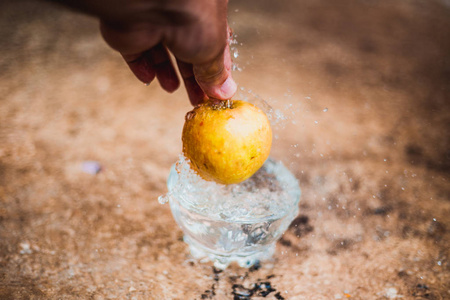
226,141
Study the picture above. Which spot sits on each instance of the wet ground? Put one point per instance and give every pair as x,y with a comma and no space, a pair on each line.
365,88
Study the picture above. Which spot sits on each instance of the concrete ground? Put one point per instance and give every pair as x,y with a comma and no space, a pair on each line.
362,88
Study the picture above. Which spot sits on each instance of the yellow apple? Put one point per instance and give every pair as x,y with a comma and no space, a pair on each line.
226,141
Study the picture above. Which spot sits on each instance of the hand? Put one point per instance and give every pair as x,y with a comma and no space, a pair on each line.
194,31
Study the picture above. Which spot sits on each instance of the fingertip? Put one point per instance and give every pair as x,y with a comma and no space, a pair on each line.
167,77
228,88
224,91
142,69
171,86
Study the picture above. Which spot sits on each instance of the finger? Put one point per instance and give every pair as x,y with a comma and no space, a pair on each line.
133,45
142,66
195,93
163,66
214,77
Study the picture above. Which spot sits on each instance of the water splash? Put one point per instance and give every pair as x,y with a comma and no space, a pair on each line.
270,191
237,222
189,115
163,199
234,51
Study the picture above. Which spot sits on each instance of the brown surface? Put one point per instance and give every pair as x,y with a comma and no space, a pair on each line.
373,169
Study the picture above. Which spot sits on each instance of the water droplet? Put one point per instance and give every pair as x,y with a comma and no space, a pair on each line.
316,122
163,199
325,109
235,67
236,54
385,159
439,263
190,115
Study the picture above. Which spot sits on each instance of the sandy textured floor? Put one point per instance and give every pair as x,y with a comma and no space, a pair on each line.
365,90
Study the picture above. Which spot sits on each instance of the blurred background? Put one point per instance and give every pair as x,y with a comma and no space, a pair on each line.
359,92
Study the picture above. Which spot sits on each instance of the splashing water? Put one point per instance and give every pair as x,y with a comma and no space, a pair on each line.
234,51
277,117
239,222
270,192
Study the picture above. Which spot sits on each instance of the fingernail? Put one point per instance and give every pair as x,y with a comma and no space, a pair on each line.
228,88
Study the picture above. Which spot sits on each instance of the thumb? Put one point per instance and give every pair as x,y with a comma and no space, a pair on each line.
214,77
